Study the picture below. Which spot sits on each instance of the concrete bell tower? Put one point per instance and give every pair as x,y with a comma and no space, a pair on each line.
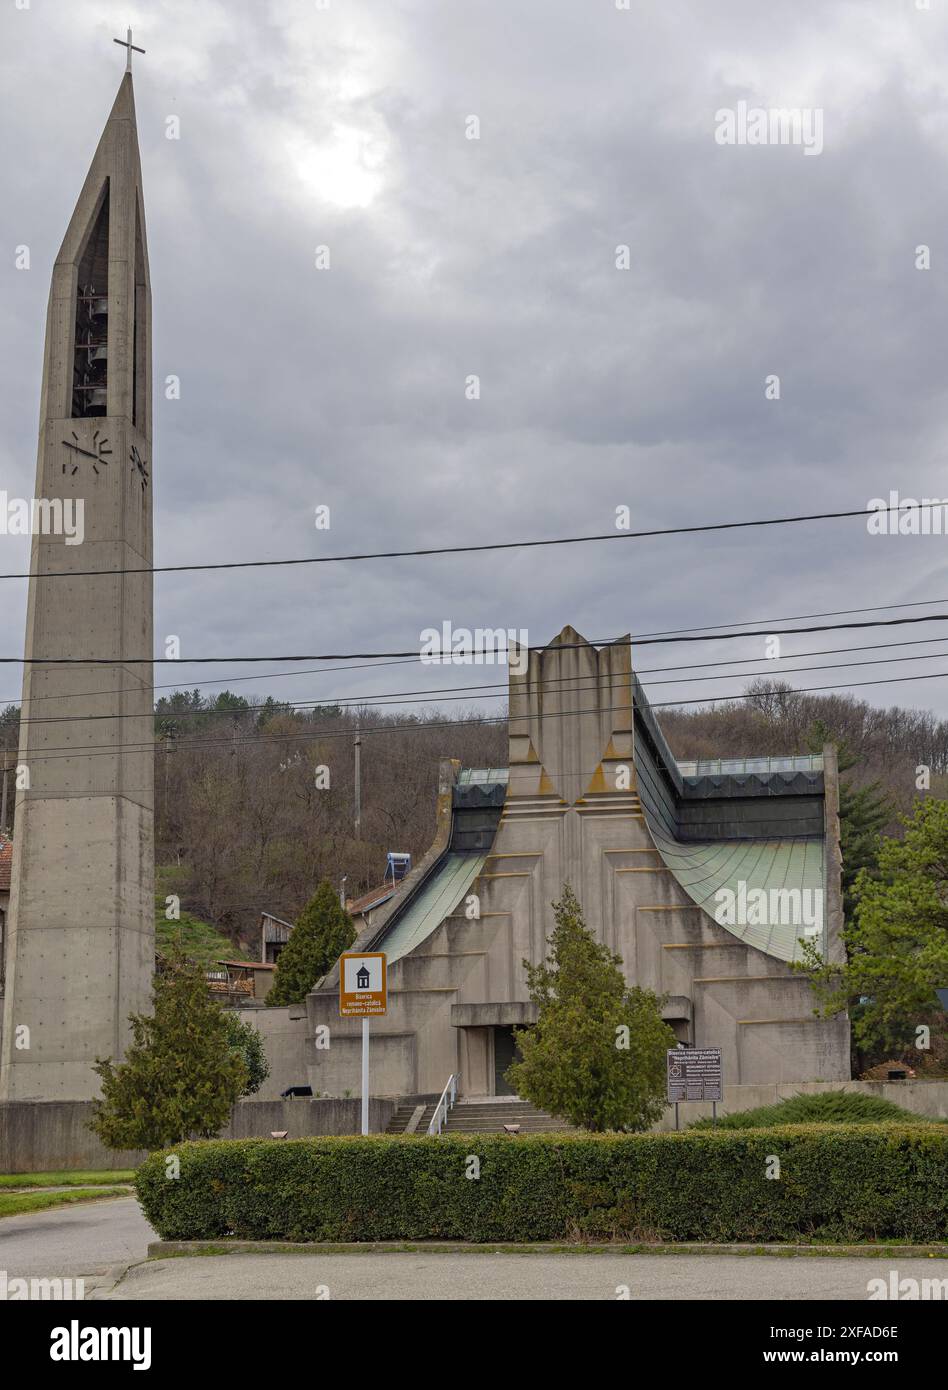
80,944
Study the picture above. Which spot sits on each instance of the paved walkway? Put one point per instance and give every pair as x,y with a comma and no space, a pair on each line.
478,1277
66,1242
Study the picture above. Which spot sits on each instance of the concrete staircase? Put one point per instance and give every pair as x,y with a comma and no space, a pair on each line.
487,1116
490,1116
399,1121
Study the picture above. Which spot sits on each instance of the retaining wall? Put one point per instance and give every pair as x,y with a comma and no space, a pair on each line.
47,1136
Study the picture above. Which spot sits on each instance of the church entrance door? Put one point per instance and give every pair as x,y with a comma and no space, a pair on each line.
505,1052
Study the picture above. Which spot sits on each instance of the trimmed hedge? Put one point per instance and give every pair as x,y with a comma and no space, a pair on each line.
837,1183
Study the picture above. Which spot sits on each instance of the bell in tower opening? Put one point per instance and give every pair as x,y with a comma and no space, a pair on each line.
90,369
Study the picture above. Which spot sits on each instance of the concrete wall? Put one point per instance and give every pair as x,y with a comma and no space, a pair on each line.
302,1115
288,1048
47,1136
929,1098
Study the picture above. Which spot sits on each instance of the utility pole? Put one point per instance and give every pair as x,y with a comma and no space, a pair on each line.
168,735
358,786
169,749
3,805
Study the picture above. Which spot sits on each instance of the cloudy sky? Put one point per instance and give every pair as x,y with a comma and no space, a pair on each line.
347,126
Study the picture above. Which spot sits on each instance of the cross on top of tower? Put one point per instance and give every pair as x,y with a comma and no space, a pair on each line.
127,44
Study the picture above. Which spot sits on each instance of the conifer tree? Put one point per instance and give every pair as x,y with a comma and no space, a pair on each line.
324,930
897,944
180,1076
596,1056
246,1042
864,812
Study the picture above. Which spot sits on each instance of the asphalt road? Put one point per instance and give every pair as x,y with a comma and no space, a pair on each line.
479,1277
100,1240
66,1242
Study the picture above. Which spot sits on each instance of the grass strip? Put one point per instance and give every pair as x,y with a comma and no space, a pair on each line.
18,1203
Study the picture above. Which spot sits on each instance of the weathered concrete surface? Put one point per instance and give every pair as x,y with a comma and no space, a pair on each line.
47,1136
478,1277
80,947
303,1115
288,1046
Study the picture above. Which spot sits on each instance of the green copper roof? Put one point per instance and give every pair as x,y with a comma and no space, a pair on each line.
482,776
436,900
725,767
704,870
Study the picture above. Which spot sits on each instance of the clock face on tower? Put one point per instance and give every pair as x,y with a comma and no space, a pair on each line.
140,465
86,451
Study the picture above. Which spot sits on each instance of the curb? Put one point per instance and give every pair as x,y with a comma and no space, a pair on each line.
169,1249
100,1285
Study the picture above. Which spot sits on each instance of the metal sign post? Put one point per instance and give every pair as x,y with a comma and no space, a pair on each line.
363,992
365,1074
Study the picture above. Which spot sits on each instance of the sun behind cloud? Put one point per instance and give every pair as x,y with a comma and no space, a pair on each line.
345,168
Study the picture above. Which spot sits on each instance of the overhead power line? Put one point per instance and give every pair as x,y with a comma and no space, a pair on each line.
796,617
445,658
492,690
234,679
480,549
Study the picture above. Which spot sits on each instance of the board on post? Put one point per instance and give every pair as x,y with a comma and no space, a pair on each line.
363,993
694,1073
363,987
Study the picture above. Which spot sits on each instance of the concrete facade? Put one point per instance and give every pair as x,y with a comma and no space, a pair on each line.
286,1043
575,810
80,939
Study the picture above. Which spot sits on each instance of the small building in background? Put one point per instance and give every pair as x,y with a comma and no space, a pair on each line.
274,934
241,982
361,910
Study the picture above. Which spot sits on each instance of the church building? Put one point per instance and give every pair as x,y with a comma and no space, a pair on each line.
705,878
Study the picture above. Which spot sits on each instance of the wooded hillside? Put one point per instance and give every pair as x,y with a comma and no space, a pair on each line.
245,821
